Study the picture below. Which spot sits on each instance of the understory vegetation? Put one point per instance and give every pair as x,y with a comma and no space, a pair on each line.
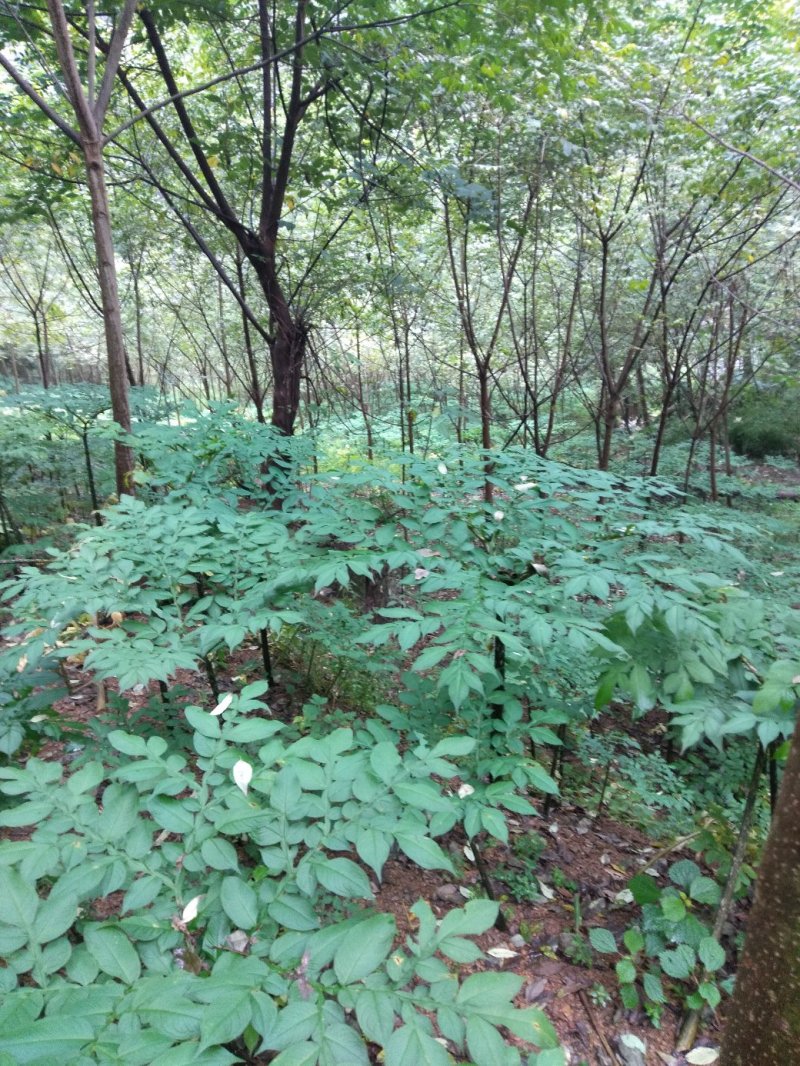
440,667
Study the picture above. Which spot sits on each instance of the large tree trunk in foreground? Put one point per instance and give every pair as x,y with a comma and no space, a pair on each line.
764,1026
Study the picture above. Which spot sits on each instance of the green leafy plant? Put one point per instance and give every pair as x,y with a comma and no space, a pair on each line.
27,694
227,937
669,944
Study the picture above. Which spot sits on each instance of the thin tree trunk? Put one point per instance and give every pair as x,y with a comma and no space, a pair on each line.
112,314
138,313
486,431
87,455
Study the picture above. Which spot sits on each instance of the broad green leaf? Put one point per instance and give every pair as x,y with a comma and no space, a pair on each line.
342,1046
550,1057
127,743
453,747
55,955
486,1046
375,1012
113,952
12,938
141,893
82,967
205,724
26,813
423,851
711,953
410,1046
343,878
710,993
494,822
673,908
602,940
633,941
484,990
19,900
48,1039
653,988
678,962
293,912
364,949
219,854
705,890
373,848
86,779
539,778
56,914
683,872
296,1023
421,794
239,902
226,1017
475,918
304,1054
252,731
171,814
644,889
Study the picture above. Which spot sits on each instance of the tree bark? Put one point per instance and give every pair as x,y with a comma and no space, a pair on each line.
112,314
764,1026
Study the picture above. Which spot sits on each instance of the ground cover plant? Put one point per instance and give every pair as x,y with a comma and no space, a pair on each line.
227,860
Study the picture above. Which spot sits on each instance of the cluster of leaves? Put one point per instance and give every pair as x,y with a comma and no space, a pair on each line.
765,423
26,706
671,942
502,620
231,873
505,617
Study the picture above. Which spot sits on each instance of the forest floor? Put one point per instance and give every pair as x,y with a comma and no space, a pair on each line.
568,872
560,874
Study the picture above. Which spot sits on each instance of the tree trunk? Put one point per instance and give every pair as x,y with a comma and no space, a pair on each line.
112,315
288,348
609,415
486,431
137,303
764,1026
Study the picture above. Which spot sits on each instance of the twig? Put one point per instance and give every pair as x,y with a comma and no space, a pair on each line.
651,860
600,1034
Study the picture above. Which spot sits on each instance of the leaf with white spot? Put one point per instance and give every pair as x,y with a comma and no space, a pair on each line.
223,704
242,775
190,910
502,953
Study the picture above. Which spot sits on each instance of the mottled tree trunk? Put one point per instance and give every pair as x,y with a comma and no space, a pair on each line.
764,1026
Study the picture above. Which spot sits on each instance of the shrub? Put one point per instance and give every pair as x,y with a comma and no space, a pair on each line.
766,422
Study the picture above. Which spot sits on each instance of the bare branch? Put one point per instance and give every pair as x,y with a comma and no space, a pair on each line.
113,56
742,153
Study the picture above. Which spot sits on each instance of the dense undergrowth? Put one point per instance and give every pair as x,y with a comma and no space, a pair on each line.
436,656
